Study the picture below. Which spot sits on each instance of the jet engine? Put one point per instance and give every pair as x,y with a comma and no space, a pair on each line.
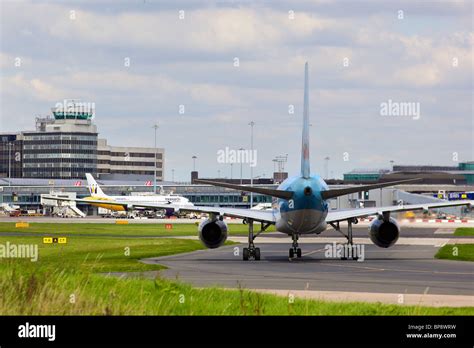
384,234
213,233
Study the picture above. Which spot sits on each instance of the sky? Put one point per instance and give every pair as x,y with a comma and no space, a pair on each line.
203,70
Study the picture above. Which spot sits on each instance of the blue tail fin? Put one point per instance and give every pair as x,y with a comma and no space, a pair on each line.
305,170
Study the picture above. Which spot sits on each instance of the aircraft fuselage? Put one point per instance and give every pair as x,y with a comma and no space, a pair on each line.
306,212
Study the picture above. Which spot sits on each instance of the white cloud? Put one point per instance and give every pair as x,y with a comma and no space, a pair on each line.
18,85
190,62
212,94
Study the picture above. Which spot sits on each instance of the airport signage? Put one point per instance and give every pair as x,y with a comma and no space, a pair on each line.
54,240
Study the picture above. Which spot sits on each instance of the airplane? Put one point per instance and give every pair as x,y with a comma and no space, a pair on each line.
96,194
301,209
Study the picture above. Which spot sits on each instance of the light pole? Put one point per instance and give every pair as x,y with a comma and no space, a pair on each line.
231,174
327,166
194,163
251,124
155,126
218,173
241,163
391,163
172,175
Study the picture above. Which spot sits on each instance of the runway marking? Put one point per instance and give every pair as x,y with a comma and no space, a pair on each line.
310,253
369,251
313,252
399,270
358,267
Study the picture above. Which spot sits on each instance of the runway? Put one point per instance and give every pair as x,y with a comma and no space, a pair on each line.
409,268
384,274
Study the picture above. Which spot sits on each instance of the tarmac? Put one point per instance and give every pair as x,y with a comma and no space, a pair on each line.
406,273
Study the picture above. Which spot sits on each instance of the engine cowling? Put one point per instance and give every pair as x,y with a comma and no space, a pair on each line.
384,234
213,233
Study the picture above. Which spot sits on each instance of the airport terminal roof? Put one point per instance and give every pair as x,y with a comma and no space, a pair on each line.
369,171
83,183
75,182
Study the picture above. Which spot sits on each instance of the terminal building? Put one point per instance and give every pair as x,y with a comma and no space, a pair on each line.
119,162
11,155
26,193
462,174
65,145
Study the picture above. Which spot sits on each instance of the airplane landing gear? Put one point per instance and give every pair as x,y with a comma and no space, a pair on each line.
294,249
252,252
348,235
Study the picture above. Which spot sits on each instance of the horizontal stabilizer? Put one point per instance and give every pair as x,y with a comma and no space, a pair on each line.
345,191
264,191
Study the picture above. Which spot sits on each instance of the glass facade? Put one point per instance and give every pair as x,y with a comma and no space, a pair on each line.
362,177
466,166
11,156
59,155
229,199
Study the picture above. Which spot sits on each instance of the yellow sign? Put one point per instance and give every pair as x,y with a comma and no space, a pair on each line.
121,222
22,225
54,240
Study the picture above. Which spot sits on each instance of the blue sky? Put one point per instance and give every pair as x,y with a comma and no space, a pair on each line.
77,49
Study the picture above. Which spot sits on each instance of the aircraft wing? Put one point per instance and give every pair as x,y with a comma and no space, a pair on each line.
334,216
258,215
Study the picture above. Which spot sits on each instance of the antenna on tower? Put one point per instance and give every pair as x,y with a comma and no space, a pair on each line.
279,162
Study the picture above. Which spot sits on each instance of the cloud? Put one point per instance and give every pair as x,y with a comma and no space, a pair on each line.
18,86
212,94
190,62
210,30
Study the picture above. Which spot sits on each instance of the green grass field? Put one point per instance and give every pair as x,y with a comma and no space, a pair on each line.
464,231
104,254
71,279
459,252
112,229
29,291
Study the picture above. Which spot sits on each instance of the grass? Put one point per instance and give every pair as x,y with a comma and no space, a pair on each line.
70,279
464,231
27,290
459,252
104,254
111,229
